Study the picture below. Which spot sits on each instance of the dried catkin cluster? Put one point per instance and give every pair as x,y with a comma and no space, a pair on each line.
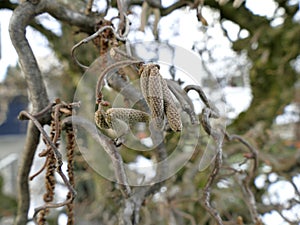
71,144
53,163
50,172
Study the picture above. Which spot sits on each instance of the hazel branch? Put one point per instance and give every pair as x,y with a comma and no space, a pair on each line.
91,37
215,112
247,192
217,135
101,77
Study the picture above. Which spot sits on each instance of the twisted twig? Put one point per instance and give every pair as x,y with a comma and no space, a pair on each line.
91,37
218,138
101,77
118,54
215,112
247,192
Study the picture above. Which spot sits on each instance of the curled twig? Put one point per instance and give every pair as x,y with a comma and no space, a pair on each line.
254,152
100,80
247,192
116,53
217,135
91,37
210,111
40,170
40,114
208,104
54,205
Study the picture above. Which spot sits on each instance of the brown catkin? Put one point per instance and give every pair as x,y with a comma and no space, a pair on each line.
159,98
70,158
106,120
171,109
152,91
49,176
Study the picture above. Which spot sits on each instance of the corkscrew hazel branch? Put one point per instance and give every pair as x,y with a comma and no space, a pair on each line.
214,111
217,135
247,192
40,170
116,53
100,81
91,37
124,24
54,158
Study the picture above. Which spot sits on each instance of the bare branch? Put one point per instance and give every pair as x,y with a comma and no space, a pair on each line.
86,23
89,38
116,53
247,192
254,152
40,170
19,20
217,135
116,65
171,8
122,11
214,111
